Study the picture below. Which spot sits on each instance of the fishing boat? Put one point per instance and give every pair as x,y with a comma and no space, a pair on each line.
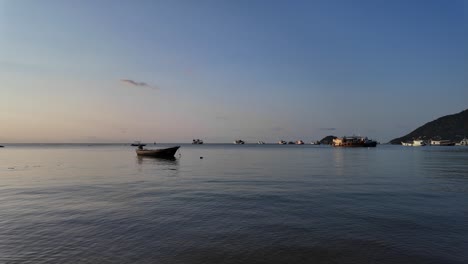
197,141
442,143
354,142
239,142
137,144
282,142
463,142
157,153
414,143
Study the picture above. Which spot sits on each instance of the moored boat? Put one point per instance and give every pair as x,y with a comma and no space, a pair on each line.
442,143
239,142
282,142
157,153
197,141
299,142
354,142
414,143
137,144
463,142
261,142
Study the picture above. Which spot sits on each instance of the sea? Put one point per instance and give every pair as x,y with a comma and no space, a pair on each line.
226,203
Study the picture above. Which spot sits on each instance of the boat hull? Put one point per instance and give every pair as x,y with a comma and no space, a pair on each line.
158,153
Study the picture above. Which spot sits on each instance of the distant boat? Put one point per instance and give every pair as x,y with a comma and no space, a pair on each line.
354,142
463,142
414,143
261,142
157,153
239,142
442,143
137,143
2,146
299,142
291,143
315,142
197,141
282,142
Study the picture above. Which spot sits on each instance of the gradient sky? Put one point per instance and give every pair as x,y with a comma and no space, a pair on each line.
225,70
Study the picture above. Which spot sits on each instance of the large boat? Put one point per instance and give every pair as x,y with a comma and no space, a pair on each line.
354,142
463,142
282,142
414,143
239,142
197,141
157,153
442,143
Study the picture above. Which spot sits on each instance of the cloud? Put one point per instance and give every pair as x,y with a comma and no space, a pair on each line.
328,128
138,84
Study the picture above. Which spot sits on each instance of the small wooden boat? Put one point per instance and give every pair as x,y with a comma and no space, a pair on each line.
158,153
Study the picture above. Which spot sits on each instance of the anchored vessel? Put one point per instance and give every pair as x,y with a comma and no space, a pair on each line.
463,142
157,153
137,144
239,142
197,141
442,143
282,142
299,142
414,143
354,142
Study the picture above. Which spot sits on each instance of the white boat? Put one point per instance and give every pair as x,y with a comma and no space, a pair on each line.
282,142
167,153
463,142
299,142
414,143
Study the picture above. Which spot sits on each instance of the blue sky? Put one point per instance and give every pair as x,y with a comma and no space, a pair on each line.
222,70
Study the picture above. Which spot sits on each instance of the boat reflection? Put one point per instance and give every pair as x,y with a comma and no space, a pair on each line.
159,161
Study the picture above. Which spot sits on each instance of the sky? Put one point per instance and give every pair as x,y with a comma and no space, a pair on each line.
171,71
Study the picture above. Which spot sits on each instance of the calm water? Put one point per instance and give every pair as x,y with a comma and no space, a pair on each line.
239,204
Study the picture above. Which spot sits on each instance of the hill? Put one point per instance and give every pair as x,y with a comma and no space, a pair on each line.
328,140
453,127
